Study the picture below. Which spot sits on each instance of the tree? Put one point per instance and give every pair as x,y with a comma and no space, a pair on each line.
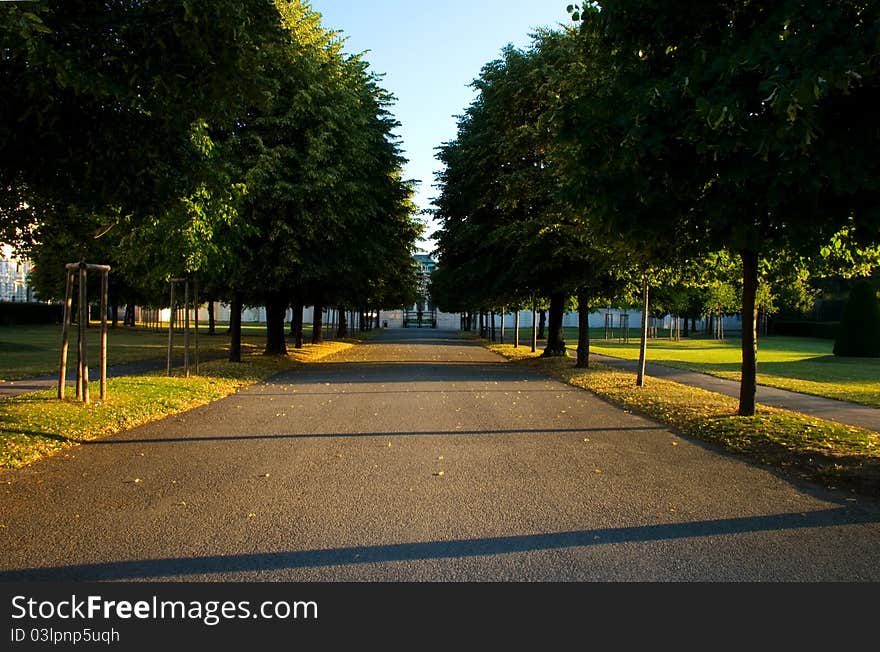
106,104
778,148
507,234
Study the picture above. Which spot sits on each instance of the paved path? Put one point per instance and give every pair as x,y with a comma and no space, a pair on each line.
419,456
852,414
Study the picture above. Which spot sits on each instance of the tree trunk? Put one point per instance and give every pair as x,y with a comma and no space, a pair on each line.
516,329
686,322
643,345
318,324
542,322
235,330
342,328
555,335
748,385
534,337
297,324
482,325
212,324
492,314
503,310
583,350
276,309
115,315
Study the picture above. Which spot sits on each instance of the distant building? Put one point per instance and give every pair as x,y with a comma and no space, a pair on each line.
14,277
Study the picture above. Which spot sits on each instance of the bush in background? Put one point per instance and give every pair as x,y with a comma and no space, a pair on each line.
859,334
19,313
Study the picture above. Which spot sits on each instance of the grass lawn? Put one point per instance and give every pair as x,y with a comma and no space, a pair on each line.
33,351
799,364
38,424
823,451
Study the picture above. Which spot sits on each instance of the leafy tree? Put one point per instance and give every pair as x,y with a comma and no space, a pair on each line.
507,235
764,102
105,104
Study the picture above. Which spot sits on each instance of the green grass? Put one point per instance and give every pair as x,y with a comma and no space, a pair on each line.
33,351
814,449
35,425
799,364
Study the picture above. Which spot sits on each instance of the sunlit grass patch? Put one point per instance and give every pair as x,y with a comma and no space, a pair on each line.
35,425
798,364
816,449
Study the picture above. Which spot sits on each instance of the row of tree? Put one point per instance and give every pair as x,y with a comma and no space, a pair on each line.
655,144
232,140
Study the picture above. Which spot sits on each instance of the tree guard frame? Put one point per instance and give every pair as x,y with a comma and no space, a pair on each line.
81,269
186,306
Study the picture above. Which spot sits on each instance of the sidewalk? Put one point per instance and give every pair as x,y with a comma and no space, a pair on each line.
852,414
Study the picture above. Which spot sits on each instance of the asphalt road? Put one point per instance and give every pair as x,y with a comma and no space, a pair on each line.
418,456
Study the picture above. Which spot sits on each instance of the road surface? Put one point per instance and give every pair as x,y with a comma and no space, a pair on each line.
419,456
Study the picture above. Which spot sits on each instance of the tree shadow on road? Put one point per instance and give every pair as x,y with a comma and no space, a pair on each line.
436,550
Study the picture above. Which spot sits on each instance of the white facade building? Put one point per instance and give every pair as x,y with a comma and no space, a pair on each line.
14,277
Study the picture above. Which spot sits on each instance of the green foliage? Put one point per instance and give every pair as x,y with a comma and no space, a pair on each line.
107,107
859,332
506,234
734,125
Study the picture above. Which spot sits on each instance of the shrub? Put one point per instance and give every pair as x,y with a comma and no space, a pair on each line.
859,334
14,313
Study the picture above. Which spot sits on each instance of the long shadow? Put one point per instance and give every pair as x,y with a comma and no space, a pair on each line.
434,550
387,390
428,371
358,435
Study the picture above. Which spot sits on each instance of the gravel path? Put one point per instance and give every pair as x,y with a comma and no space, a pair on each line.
420,456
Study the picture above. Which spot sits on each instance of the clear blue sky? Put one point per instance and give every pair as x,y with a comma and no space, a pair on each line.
428,53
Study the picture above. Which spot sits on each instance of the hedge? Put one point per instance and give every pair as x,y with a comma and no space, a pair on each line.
14,313
826,330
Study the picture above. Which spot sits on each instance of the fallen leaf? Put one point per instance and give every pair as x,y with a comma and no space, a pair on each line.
440,473
586,440
440,458
252,515
597,471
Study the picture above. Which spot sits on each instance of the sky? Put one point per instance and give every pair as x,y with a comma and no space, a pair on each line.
429,52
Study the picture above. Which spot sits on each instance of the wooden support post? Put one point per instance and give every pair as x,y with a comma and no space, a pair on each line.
170,331
104,284
83,327
196,304
65,334
186,328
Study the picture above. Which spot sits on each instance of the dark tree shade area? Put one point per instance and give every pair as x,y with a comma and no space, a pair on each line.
859,333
